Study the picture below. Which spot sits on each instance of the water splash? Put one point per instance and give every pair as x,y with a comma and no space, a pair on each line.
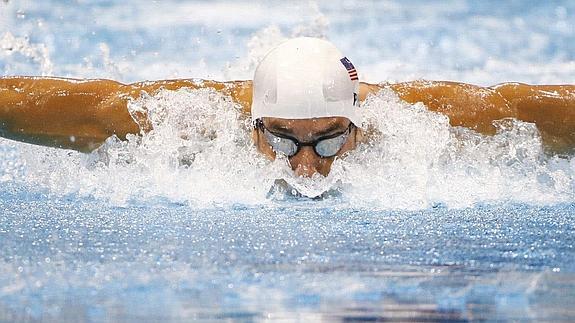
415,159
201,153
38,53
262,41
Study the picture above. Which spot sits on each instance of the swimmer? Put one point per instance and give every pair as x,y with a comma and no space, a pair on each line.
304,101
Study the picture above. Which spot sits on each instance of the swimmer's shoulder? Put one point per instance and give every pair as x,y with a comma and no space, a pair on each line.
402,87
405,90
240,92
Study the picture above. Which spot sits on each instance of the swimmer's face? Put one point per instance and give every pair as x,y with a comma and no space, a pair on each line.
307,161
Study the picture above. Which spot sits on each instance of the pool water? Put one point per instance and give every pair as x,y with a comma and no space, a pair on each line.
426,222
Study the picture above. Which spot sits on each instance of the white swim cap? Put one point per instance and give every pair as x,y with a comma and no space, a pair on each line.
305,78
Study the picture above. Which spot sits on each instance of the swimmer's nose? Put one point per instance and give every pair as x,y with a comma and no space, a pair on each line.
305,163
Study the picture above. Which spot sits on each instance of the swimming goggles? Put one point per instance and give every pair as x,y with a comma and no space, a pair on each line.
325,147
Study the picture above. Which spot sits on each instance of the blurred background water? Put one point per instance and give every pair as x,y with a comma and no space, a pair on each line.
433,222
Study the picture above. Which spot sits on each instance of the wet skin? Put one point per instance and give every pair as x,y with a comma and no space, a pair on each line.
306,162
81,114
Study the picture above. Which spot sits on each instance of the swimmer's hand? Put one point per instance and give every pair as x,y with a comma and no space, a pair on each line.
82,114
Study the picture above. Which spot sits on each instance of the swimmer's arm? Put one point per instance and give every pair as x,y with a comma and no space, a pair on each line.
550,107
466,105
81,114
61,112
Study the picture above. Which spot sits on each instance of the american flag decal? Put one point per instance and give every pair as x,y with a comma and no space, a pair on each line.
350,68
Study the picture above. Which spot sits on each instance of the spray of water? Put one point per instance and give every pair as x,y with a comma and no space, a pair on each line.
38,53
201,153
267,38
415,159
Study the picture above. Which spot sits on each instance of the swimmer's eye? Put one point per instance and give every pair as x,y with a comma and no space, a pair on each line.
282,145
329,147
325,147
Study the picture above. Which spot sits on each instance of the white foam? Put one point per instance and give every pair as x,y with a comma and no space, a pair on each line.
198,148
200,153
418,160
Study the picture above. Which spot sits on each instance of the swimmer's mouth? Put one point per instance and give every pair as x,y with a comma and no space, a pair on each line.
282,189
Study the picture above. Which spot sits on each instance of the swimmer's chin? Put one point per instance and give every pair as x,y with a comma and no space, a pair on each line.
303,188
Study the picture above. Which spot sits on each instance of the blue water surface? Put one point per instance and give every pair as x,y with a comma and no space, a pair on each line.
76,259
